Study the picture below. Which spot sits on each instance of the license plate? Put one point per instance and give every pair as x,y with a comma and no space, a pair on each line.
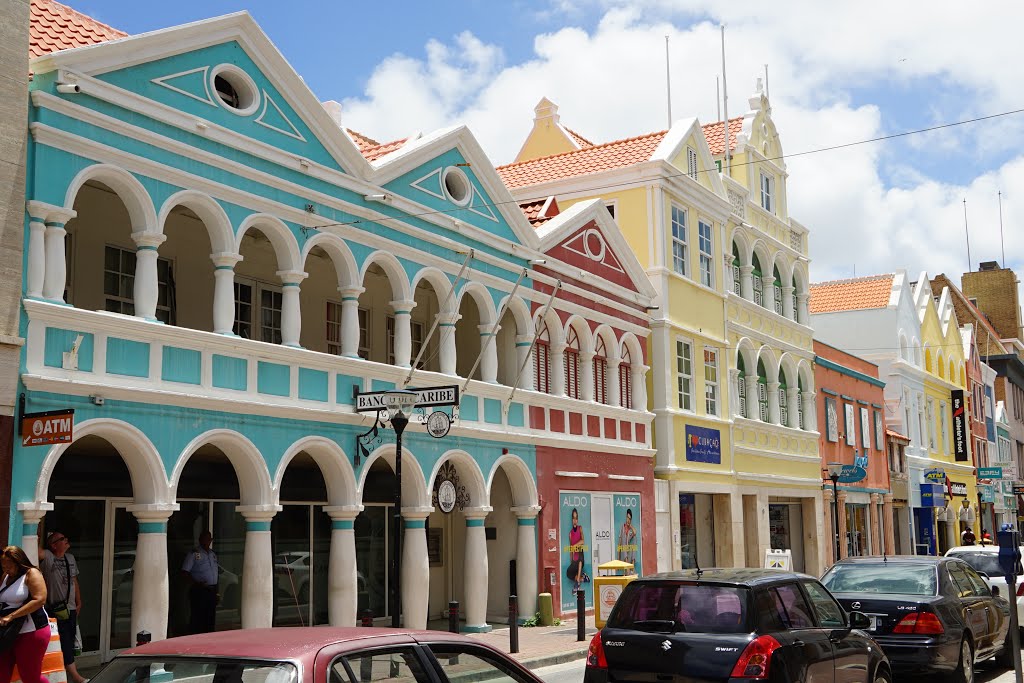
874,623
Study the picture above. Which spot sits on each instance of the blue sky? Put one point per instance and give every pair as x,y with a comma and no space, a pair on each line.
837,74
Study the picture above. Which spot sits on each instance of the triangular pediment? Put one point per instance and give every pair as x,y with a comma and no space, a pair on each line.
686,137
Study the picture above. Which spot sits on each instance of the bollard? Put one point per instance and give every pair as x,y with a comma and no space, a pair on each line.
581,615
143,637
453,616
366,618
513,624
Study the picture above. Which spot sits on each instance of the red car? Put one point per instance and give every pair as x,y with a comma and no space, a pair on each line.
314,655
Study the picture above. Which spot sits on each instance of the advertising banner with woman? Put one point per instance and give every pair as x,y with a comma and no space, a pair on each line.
627,530
574,537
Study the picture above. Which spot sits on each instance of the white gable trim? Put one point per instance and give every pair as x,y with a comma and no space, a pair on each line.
678,138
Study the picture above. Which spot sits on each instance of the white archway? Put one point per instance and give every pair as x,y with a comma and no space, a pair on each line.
414,485
254,486
286,248
212,215
524,488
469,475
337,250
127,187
392,267
333,463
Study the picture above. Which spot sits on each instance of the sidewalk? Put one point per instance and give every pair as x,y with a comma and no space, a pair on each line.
541,646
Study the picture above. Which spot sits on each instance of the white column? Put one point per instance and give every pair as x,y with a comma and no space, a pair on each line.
612,381
36,264
753,405
291,312
747,282
475,580
587,376
447,355
150,586
350,320
787,302
55,277
31,515
415,568
810,414
774,412
403,332
734,391
639,386
557,370
257,566
793,399
147,286
488,353
526,560
224,292
801,314
524,358
342,584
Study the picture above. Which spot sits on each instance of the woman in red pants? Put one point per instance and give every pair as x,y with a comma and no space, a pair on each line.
22,594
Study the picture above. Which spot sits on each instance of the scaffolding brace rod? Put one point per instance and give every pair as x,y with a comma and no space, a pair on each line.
494,330
533,342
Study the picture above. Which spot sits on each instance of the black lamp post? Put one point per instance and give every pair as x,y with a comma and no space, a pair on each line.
834,469
398,401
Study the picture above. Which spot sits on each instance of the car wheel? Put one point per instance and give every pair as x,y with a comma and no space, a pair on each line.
882,676
965,667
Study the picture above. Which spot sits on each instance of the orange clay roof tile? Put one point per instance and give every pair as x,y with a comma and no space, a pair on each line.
376,152
54,27
851,295
362,141
540,211
715,134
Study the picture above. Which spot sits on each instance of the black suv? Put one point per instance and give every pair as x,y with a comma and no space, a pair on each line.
725,624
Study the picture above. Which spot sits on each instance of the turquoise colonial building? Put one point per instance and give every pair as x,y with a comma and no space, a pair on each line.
214,266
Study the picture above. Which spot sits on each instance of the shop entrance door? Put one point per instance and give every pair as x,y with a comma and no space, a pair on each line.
122,535
601,519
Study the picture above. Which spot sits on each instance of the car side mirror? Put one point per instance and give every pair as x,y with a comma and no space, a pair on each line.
860,621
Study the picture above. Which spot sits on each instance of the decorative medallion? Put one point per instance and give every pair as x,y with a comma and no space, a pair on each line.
448,492
438,424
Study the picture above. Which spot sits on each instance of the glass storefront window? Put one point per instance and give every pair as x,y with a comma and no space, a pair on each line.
372,558
778,527
687,530
857,530
82,522
229,544
292,565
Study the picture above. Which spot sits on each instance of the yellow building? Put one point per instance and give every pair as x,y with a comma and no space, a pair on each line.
945,382
730,351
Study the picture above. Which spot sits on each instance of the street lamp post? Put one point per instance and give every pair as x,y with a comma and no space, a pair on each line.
834,469
398,402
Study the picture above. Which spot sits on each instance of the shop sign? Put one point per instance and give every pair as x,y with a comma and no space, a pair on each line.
45,429
958,488
987,492
703,445
959,425
933,496
935,475
427,397
1018,489
778,559
990,473
851,474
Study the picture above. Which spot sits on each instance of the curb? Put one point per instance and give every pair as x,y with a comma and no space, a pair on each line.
551,660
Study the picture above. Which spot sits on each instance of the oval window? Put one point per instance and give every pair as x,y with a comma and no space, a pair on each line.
235,91
456,185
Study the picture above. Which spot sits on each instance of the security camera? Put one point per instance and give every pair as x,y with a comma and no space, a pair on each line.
69,88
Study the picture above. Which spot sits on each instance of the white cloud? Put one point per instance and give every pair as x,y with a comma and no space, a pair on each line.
873,206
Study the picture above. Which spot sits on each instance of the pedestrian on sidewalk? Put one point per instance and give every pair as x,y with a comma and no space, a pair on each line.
63,596
201,569
22,595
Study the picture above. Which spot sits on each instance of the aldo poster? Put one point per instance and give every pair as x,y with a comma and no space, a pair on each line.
627,530
576,555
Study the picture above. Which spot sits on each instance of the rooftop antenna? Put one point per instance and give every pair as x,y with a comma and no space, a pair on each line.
725,107
668,84
968,235
1002,245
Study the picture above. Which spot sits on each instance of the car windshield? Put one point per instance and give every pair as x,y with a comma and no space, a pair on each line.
675,606
134,669
982,562
881,577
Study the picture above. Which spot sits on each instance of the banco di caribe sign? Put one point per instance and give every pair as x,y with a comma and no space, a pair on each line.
427,397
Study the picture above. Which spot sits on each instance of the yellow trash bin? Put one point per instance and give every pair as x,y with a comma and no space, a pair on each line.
608,584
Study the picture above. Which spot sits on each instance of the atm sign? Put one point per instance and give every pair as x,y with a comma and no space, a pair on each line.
45,429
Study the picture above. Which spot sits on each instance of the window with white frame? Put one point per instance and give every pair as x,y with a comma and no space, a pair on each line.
762,395
679,241
1004,450
258,311
850,424
783,401
942,428
879,431
542,361
600,372
710,380
767,192
571,362
706,246
758,282
777,290
931,423
691,162
119,284
626,379
741,389
415,335
865,430
737,280
364,333
800,405
271,303
333,318
684,374
796,301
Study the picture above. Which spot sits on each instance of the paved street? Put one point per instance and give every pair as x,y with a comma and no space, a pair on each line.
570,672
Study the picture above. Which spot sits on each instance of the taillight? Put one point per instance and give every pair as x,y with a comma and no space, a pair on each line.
920,623
1020,590
595,655
756,658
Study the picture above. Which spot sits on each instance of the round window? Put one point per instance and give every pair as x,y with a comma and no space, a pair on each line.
456,185
234,89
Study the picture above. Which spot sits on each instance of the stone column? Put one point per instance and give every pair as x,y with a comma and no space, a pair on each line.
814,535
36,262
774,410
801,301
787,302
612,381
147,287
342,584
587,376
447,353
56,273
524,360
888,527
639,386
488,353
844,548
753,404
150,585
728,523
31,515
224,292
257,566
830,552
475,577
402,311
876,522
526,560
747,282
810,414
734,391
793,399
350,321
557,369
415,568
291,312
